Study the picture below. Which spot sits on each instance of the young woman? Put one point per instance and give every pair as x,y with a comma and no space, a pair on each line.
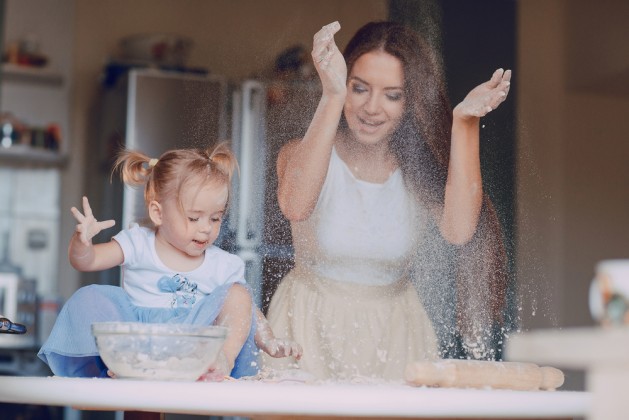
383,158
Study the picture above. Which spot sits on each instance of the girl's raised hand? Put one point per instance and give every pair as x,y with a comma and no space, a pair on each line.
486,97
329,61
88,226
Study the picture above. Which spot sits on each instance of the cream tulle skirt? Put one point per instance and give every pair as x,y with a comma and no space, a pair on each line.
350,330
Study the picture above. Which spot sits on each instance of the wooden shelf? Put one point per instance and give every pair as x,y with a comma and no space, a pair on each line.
15,73
20,155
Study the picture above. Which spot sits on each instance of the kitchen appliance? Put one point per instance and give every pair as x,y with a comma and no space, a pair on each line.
266,114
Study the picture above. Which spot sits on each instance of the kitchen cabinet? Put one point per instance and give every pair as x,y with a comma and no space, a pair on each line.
38,95
34,97
12,72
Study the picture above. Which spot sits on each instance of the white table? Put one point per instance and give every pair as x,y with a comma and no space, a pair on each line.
603,353
264,400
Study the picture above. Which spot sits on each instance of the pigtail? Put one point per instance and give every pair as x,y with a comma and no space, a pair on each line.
224,160
134,167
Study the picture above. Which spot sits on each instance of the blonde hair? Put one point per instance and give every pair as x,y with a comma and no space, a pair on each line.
164,178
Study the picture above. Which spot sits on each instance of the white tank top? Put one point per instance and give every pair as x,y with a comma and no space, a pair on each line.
359,231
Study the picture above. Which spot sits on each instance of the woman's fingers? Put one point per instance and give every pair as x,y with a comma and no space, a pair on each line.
501,80
486,97
496,78
323,45
333,27
499,88
506,81
506,77
503,88
329,61
326,33
297,351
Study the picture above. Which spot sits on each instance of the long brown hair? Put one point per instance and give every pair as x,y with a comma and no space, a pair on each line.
421,145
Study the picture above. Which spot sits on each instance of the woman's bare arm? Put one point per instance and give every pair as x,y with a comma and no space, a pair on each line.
302,165
464,187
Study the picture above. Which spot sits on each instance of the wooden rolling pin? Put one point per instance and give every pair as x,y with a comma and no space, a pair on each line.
481,374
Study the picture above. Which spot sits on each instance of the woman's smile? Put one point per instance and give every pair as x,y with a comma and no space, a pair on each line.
369,125
375,101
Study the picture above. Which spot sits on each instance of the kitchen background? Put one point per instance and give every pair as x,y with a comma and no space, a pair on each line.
567,155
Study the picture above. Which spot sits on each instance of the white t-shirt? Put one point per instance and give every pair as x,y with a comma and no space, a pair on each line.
359,231
150,283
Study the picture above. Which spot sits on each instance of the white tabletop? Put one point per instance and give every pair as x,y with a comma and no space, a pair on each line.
603,353
249,398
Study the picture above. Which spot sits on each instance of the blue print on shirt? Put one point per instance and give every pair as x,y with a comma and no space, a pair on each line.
184,291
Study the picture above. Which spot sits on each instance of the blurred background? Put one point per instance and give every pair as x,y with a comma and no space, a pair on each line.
555,155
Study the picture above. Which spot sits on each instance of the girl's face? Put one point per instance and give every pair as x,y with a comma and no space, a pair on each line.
375,100
194,228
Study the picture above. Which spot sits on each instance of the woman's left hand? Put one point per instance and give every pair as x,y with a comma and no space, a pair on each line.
278,347
486,97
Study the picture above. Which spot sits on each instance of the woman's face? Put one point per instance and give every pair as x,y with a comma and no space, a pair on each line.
375,97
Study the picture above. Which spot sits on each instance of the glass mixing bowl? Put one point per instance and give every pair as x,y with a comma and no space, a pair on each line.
158,351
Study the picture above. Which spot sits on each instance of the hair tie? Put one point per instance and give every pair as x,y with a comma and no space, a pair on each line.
152,162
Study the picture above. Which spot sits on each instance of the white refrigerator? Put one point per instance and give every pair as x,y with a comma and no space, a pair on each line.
152,111
265,115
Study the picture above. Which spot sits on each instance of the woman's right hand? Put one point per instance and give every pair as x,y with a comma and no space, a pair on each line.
329,61
485,97
88,226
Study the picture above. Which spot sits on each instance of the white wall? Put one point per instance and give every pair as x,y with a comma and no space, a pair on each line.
573,152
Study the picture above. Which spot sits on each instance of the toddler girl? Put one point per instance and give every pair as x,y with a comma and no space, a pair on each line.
171,272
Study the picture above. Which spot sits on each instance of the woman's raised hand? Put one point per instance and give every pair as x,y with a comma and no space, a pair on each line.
88,226
329,61
486,97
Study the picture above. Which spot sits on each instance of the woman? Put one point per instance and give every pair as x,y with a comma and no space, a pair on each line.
383,158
